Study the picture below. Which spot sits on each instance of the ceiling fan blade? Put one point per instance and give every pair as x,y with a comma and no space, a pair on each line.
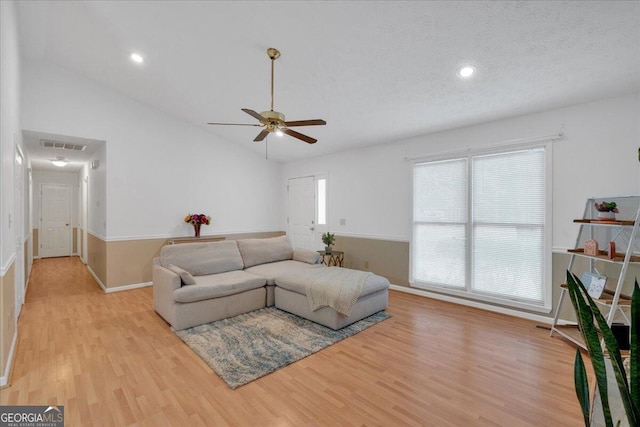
262,135
313,122
253,114
298,135
233,124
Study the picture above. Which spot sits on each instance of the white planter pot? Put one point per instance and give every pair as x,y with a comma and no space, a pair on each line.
606,215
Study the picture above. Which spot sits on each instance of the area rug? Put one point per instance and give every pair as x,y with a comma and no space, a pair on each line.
249,346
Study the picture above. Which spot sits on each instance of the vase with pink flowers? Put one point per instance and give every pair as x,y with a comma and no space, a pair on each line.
197,220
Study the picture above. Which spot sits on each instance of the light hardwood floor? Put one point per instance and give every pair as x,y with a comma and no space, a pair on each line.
112,361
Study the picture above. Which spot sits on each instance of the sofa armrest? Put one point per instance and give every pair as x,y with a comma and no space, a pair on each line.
165,282
306,255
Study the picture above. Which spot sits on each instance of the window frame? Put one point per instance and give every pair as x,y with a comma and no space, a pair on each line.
467,291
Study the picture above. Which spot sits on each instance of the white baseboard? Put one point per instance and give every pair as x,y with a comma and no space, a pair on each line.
117,288
127,287
96,278
4,379
476,304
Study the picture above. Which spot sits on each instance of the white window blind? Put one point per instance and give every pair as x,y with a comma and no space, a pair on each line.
440,217
479,225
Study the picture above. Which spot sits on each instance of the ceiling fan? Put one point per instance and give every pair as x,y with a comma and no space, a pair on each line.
274,121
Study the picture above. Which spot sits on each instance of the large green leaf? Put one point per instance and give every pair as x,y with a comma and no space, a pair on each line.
582,386
592,342
635,347
614,354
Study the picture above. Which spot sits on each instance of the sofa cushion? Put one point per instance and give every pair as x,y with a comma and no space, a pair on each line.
218,285
297,281
201,259
305,255
273,270
185,276
262,251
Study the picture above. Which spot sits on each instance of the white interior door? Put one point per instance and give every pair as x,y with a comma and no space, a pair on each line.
55,229
302,212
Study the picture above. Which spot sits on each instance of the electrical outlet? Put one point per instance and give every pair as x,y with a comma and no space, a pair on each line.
366,265
343,221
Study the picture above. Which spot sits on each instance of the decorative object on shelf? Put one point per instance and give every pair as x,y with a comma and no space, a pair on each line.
328,239
612,250
594,284
197,220
606,210
593,325
591,247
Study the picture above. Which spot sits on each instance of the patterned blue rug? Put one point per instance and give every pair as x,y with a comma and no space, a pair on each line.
246,347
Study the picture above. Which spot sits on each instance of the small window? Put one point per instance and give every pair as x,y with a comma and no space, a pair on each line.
322,201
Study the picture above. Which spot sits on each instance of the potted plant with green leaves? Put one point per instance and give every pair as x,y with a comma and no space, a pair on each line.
594,328
606,210
328,239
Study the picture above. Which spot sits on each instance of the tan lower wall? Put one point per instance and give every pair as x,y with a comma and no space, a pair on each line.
36,242
383,257
7,315
129,262
97,253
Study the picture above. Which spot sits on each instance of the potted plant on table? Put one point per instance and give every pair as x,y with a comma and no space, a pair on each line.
606,210
328,239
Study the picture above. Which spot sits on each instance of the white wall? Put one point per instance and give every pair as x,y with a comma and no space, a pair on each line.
158,168
10,133
370,188
97,195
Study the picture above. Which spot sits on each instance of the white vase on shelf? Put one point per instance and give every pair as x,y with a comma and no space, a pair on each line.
607,215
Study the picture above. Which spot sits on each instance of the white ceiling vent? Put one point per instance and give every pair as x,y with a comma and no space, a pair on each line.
49,143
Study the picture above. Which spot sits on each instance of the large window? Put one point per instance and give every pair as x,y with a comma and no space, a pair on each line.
480,226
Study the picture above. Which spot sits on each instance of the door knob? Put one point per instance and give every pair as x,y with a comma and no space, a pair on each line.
312,228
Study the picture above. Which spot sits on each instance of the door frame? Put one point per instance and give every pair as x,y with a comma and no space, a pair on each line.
19,220
319,229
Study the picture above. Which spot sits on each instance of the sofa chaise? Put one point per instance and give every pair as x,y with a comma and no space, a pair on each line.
198,283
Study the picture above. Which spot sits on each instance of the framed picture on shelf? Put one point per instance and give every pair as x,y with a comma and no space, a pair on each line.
594,284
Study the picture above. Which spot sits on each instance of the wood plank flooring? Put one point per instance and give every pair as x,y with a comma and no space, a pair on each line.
112,361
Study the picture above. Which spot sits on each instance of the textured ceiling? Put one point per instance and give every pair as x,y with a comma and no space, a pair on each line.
375,71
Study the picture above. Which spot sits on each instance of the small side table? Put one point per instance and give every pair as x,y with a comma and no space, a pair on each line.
333,258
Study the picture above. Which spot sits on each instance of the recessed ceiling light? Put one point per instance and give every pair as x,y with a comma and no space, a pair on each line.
136,57
466,71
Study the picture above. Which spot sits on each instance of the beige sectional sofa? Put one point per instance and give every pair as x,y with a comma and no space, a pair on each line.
198,283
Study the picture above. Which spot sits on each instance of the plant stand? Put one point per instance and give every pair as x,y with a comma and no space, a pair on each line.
624,233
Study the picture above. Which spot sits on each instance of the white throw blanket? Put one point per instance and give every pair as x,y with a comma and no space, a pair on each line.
335,287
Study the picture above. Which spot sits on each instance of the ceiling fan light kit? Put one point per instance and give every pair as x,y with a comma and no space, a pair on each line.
274,121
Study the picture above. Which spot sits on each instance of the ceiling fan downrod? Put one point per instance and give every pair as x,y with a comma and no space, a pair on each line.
273,54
